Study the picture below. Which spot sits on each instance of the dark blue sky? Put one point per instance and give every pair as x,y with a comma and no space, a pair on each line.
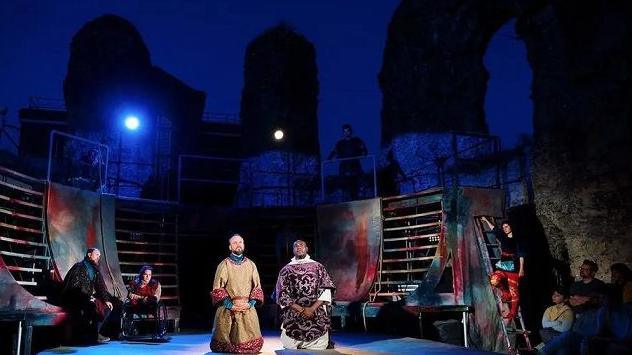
202,42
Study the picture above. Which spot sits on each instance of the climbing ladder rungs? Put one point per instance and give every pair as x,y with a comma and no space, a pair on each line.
412,237
402,283
133,274
21,215
403,271
26,283
26,269
26,256
19,202
388,294
414,195
138,263
164,234
23,176
518,331
408,259
416,226
410,248
485,248
18,228
144,253
412,216
143,221
23,189
22,242
143,243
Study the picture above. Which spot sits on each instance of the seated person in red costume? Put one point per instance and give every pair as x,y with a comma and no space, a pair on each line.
142,300
144,292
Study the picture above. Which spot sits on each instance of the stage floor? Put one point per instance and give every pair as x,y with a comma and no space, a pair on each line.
346,343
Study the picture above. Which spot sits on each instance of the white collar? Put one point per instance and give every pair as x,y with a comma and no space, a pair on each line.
306,259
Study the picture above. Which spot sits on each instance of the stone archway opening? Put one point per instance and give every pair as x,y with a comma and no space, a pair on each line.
508,105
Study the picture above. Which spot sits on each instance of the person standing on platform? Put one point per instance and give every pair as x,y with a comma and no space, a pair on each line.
304,290
84,293
350,170
510,265
236,290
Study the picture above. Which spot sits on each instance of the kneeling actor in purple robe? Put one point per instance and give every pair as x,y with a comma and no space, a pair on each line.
304,290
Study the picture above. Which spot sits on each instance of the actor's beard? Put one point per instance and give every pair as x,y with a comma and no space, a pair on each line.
301,256
238,252
93,263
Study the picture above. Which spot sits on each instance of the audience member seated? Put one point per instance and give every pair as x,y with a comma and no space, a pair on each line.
589,292
142,300
586,297
615,319
86,297
621,279
558,318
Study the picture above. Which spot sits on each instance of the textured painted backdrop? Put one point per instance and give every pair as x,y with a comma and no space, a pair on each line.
80,219
348,244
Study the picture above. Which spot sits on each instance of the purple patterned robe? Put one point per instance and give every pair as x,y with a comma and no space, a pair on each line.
303,283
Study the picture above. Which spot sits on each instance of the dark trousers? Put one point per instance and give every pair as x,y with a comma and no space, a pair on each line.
547,334
88,318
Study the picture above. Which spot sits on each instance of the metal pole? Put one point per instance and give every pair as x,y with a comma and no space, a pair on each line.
374,177
50,154
179,176
322,181
465,341
120,157
18,346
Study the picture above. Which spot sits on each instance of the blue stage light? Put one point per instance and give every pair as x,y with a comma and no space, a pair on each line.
132,123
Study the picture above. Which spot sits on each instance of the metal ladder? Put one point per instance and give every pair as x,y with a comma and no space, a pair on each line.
490,253
23,242
412,227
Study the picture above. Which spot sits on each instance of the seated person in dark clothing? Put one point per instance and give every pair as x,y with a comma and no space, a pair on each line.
586,297
588,292
621,278
143,297
390,176
350,170
603,330
85,294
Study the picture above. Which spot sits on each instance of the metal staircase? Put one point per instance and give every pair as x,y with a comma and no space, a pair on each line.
412,226
490,254
23,244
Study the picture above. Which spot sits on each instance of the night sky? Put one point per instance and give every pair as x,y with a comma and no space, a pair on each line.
202,42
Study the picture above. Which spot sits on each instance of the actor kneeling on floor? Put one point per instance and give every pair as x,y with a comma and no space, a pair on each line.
304,291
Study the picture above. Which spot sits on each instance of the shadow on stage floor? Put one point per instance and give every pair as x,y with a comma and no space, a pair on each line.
346,343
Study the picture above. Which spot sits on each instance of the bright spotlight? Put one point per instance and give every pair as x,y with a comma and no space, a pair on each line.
132,123
278,134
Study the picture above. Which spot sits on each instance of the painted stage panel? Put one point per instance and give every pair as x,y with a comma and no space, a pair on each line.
349,245
485,321
14,300
80,219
